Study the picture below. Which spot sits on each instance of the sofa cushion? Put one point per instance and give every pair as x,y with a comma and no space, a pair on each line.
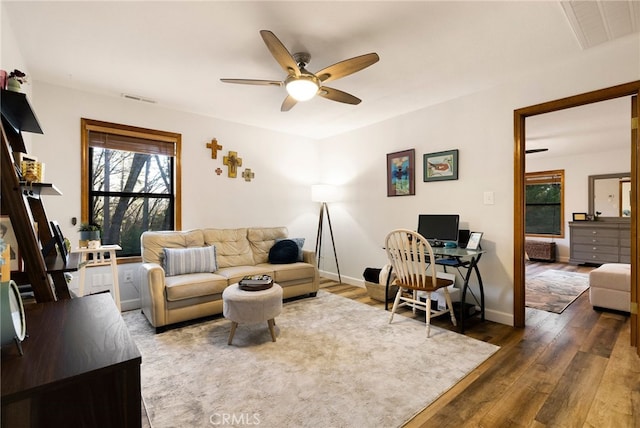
291,272
298,241
179,261
236,273
262,239
285,251
232,246
182,287
153,243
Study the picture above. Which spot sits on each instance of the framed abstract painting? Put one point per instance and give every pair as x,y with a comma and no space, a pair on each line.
401,173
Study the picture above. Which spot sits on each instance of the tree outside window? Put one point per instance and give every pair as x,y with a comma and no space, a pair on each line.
544,204
130,182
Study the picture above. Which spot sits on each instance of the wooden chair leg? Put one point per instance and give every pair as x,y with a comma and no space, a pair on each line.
428,312
233,331
447,297
395,304
272,323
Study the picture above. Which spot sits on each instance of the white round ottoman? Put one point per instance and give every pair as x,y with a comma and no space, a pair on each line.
251,307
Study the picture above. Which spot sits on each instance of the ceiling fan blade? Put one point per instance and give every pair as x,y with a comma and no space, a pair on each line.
288,103
280,53
253,82
535,151
337,95
347,67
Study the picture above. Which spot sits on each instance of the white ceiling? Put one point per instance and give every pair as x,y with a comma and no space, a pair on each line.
174,53
591,128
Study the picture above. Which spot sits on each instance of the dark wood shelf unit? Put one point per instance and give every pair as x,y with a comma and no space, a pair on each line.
18,113
36,189
22,202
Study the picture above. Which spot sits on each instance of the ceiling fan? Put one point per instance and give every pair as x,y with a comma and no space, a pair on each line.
303,85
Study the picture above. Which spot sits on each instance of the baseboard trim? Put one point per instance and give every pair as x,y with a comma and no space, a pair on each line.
130,305
345,279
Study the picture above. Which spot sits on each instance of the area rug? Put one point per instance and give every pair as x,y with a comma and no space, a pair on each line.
336,363
555,290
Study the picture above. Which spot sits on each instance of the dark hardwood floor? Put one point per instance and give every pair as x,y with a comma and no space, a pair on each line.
575,369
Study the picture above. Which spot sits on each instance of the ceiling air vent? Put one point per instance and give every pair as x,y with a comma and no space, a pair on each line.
596,22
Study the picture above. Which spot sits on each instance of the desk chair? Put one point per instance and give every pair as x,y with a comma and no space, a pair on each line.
410,256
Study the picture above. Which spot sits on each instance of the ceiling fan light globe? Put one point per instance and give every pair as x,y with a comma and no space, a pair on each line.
302,88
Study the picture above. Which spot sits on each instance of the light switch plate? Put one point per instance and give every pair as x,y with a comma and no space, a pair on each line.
489,198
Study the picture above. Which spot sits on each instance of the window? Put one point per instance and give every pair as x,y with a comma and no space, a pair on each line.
544,203
130,182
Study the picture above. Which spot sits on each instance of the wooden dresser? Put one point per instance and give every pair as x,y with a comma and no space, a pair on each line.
600,241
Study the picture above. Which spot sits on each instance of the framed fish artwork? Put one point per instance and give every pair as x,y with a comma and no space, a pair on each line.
441,166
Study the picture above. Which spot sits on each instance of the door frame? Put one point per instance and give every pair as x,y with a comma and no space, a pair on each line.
519,119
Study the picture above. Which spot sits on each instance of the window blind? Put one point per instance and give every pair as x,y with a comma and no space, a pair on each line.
131,143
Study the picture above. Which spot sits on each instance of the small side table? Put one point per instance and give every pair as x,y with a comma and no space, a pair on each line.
99,259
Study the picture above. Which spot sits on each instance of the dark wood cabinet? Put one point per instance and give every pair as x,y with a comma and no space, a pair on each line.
80,368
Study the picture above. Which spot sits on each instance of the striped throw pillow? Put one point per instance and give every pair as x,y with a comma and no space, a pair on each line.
180,261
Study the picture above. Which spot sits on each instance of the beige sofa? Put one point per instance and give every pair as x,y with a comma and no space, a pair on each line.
170,299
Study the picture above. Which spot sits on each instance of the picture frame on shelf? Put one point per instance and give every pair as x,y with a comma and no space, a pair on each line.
441,166
401,173
9,237
580,217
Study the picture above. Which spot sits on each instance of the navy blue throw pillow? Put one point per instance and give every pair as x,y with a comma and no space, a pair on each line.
285,251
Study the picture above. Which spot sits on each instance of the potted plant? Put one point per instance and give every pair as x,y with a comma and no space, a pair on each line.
88,232
15,79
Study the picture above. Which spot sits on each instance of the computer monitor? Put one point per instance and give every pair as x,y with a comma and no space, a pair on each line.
439,228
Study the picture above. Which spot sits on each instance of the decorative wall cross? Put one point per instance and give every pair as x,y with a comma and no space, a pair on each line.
218,171
233,162
247,174
214,146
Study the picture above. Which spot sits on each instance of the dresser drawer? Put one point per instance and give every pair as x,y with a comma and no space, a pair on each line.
600,249
595,257
593,239
594,232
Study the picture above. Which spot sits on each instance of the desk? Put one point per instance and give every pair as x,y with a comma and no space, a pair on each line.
99,259
458,258
80,368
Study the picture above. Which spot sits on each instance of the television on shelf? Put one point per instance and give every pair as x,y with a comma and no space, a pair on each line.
439,229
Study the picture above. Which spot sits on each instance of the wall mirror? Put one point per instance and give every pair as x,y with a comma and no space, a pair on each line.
625,198
610,194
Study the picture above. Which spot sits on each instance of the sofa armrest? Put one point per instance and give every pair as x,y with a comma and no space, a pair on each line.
152,297
309,256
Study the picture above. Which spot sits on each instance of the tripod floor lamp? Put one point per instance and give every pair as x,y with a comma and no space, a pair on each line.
324,193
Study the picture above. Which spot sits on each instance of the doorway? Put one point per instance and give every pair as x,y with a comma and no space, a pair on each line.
520,115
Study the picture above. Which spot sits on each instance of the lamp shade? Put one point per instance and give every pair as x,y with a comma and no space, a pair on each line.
302,88
324,193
